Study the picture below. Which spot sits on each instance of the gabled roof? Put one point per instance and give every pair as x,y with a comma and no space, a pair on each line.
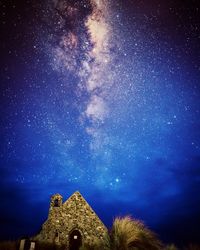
74,195
77,196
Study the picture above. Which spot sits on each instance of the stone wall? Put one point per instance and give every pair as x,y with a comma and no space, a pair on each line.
74,214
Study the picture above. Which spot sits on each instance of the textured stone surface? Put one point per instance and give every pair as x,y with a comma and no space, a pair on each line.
74,214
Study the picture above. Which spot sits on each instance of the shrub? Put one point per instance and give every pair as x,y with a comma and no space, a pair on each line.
171,247
128,233
48,246
9,245
192,247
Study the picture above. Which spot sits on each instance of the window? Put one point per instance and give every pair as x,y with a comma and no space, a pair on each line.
56,203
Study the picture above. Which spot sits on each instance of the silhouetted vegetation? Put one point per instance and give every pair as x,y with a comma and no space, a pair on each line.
9,245
125,234
48,246
14,245
192,247
171,247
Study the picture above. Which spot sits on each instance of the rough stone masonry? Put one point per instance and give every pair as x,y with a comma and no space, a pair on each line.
71,223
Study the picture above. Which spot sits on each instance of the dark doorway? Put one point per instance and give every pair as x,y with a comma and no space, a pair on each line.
75,240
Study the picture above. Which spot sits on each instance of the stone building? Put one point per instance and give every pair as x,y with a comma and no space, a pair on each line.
71,223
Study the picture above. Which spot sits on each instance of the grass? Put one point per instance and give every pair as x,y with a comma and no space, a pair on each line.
128,233
171,247
9,245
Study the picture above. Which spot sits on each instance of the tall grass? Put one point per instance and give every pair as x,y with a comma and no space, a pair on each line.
127,234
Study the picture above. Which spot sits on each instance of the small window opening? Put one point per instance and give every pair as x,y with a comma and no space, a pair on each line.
56,203
56,236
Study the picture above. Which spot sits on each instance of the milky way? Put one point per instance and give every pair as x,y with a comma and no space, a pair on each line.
103,97
90,36
94,65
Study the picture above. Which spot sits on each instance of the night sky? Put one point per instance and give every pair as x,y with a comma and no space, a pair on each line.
101,96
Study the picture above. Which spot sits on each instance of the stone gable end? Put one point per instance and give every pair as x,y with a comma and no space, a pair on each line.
74,215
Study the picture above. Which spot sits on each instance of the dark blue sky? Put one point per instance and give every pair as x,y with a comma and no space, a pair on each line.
101,97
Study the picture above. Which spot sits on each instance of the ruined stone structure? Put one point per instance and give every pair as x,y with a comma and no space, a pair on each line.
71,223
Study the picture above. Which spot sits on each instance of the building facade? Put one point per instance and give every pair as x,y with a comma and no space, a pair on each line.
72,223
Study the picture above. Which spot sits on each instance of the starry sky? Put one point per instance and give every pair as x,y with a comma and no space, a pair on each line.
103,97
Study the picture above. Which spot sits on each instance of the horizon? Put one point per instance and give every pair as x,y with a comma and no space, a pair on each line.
101,97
